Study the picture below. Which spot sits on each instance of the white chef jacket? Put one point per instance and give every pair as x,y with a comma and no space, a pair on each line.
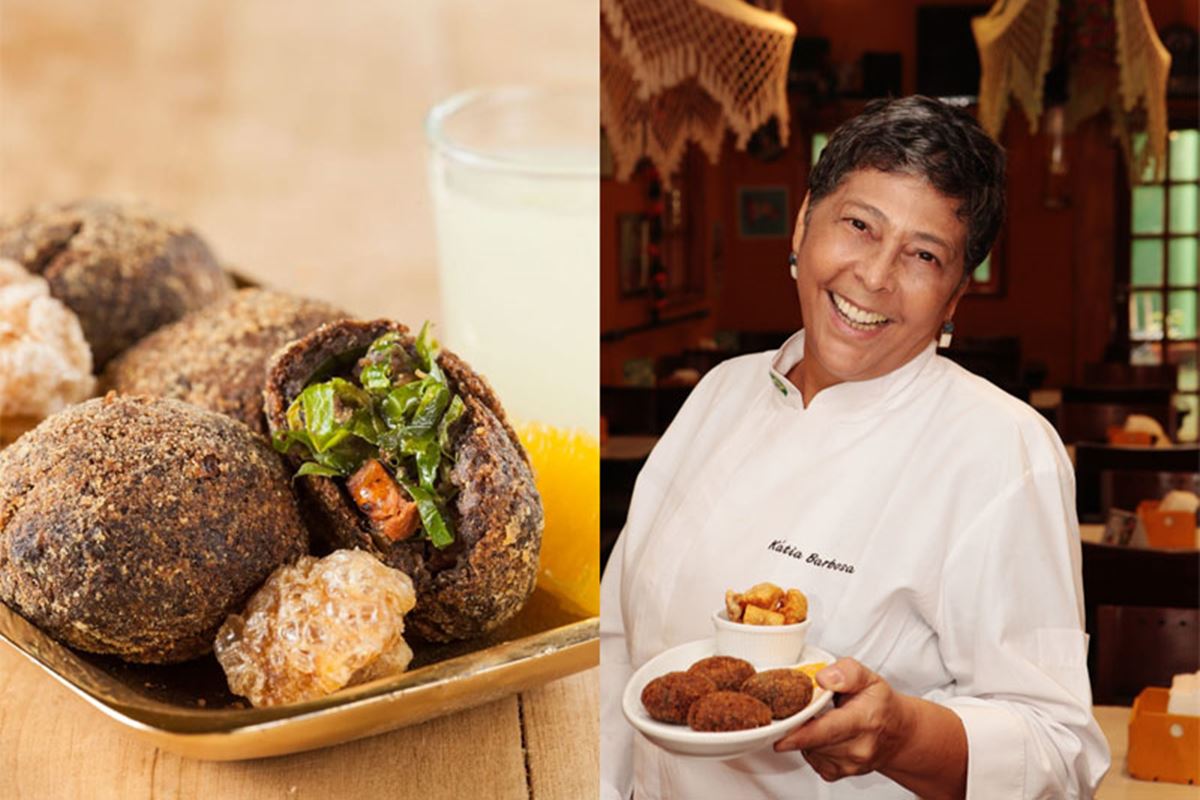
930,519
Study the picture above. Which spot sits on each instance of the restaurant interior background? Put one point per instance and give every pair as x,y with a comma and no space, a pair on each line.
1086,308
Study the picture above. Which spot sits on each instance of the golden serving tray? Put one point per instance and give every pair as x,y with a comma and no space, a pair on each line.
187,708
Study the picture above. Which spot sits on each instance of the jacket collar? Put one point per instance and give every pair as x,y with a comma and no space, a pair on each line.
851,398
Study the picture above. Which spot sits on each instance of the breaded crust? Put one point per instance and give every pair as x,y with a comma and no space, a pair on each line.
726,672
216,357
124,269
785,691
133,526
668,697
485,577
728,711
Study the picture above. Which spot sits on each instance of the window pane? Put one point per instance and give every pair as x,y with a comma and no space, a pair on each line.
1138,142
1183,209
1147,262
1145,316
983,273
818,144
1183,356
1187,424
1181,317
1183,258
1185,150
1147,209
1145,354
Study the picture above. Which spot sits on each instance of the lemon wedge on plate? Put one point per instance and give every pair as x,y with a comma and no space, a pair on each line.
566,467
812,669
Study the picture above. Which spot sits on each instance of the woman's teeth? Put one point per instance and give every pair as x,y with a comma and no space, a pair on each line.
856,317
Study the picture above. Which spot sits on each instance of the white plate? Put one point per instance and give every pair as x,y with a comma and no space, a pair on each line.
683,740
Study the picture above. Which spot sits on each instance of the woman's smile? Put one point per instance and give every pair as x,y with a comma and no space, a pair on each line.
854,317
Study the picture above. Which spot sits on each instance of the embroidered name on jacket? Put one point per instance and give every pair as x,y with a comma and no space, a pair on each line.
784,547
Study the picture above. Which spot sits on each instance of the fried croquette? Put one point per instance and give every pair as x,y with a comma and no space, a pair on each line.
125,269
134,526
216,357
668,698
728,711
785,691
727,672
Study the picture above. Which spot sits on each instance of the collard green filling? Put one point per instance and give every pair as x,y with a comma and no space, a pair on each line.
400,411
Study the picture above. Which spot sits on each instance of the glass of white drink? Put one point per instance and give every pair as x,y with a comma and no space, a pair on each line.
515,181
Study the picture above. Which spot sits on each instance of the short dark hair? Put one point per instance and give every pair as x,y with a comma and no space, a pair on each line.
927,138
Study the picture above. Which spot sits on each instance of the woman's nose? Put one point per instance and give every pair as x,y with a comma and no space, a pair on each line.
876,269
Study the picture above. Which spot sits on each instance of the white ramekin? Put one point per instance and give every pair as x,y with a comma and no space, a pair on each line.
761,645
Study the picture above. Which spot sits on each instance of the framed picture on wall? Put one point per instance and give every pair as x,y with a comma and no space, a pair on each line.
763,213
633,232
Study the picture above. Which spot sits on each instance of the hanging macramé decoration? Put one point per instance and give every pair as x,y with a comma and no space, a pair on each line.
674,71
1113,59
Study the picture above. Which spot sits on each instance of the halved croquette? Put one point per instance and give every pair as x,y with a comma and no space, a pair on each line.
473,554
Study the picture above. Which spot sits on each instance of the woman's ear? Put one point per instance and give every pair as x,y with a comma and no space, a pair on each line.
801,226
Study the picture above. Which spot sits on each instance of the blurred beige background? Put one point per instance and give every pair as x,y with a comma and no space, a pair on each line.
289,133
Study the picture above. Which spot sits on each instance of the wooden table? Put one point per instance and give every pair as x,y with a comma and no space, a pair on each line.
1117,784
627,448
1094,533
292,138
540,744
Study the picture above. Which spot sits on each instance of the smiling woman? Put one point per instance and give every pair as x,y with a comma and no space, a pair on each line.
876,276
958,615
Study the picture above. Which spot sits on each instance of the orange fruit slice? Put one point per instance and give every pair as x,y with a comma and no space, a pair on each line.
566,467
812,669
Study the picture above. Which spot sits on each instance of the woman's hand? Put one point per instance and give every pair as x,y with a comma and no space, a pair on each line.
861,734
918,744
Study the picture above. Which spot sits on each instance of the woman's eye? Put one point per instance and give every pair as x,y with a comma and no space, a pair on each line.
927,256
858,224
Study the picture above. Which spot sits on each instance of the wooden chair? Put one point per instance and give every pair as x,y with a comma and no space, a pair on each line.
668,401
641,410
1121,374
617,479
1091,460
1087,412
758,341
1140,646
1124,576
997,360
703,360
628,409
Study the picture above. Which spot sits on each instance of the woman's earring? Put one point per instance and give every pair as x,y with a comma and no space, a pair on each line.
792,259
947,334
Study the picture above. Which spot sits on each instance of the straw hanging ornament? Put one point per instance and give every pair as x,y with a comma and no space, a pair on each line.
674,71
1112,55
